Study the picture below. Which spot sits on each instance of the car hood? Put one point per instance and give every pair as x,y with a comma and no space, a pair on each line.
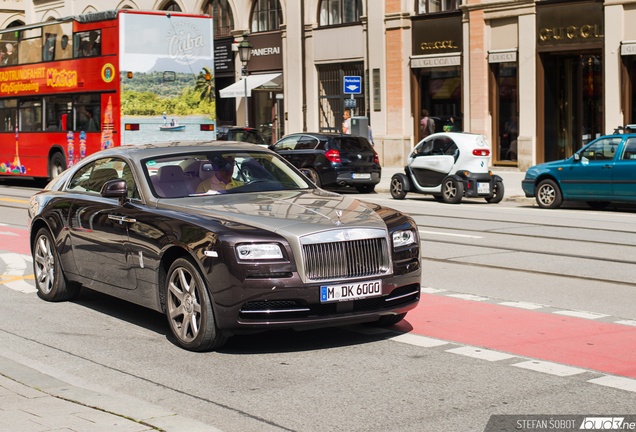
534,170
291,214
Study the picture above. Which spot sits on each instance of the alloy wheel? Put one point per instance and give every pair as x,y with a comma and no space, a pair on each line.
44,264
547,195
184,307
450,191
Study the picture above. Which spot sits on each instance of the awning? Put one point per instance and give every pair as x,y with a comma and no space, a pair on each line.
266,81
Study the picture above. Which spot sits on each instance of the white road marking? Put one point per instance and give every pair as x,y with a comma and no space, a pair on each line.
25,286
431,290
480,353
423,341
523,305
617,382
8,233
17,265
468,297
627,322
581,314
549,368
449,234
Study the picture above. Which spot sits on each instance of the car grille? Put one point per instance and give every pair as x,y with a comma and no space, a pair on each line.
346,259
280,310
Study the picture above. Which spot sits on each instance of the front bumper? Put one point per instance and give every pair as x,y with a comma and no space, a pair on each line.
528,188
257,304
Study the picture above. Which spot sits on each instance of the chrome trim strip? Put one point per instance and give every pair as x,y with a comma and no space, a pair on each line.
338,235
399,297
268,311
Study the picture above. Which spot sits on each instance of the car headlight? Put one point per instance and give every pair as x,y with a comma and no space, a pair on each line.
259,251
403,238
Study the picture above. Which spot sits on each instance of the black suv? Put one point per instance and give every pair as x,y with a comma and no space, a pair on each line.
238,133
332,159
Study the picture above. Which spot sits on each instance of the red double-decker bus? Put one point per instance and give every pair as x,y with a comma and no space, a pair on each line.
74,86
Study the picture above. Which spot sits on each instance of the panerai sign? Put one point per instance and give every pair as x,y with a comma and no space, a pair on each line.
570,23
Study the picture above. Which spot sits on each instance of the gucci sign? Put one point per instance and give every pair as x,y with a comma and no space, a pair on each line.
570,33
438,45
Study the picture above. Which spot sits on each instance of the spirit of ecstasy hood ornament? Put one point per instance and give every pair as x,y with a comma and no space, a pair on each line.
339,214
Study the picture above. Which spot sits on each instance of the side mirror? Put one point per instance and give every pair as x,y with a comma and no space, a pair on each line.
271,147
115,189
577,157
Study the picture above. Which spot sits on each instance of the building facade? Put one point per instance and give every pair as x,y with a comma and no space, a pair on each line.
539,79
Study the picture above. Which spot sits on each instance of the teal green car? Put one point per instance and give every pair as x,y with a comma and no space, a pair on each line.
601,172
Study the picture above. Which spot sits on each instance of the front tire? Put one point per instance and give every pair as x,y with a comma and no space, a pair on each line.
189,308
398,187
49,277
548,194
452,191
498,195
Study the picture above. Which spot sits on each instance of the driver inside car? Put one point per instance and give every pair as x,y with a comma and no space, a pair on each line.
217,175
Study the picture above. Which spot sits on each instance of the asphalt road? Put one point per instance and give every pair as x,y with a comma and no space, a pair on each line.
523,311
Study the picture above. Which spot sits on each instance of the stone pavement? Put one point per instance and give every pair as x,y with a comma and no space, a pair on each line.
31,401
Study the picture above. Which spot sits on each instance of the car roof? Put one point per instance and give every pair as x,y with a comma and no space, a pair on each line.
143,151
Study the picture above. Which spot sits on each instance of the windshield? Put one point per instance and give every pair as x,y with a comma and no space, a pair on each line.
219,172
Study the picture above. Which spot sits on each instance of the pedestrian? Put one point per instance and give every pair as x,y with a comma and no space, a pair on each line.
427,124
371,136
346,124
165,119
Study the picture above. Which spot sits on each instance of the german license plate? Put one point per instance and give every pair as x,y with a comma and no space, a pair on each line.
350,291
361,176
483,188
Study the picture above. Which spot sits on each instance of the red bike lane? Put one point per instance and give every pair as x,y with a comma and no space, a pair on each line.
600,346
14,240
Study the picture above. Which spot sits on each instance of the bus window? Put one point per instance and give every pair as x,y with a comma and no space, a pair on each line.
30,46
8,53
87,112
87,44
30,115
56,43
59,113
8,114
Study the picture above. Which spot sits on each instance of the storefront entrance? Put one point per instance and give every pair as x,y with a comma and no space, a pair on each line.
573,101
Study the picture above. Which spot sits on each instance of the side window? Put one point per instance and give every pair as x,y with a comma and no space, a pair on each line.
8,114
630,149
59,113
452,150
602,150
287,143
30,48
79,182
426,149
306,143
87,44
56,44
30,115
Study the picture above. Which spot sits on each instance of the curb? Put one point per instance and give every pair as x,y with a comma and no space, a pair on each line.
134,410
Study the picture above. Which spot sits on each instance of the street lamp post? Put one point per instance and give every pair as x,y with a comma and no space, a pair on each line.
245,51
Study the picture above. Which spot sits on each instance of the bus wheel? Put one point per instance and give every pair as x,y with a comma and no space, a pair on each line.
57,164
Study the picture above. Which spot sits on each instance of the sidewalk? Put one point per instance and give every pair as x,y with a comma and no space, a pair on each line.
511,179
33,401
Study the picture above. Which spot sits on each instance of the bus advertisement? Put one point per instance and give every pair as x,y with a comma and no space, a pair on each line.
74,86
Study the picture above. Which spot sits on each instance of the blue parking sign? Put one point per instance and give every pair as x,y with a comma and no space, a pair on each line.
352,85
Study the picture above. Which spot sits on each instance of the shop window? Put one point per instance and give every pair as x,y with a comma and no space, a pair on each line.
505,111
441,97
333,12
432,6
222,17
266,16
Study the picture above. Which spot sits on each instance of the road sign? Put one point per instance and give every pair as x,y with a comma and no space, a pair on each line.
352,85
350,103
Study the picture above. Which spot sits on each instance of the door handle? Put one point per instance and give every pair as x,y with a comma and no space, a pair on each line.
607,166
121,218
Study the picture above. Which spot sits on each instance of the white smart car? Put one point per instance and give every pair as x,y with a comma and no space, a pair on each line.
449,166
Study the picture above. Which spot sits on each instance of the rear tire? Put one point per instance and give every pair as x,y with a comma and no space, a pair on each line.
49,277
452,190
57,164
388,320
189,308
548,194
498,195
